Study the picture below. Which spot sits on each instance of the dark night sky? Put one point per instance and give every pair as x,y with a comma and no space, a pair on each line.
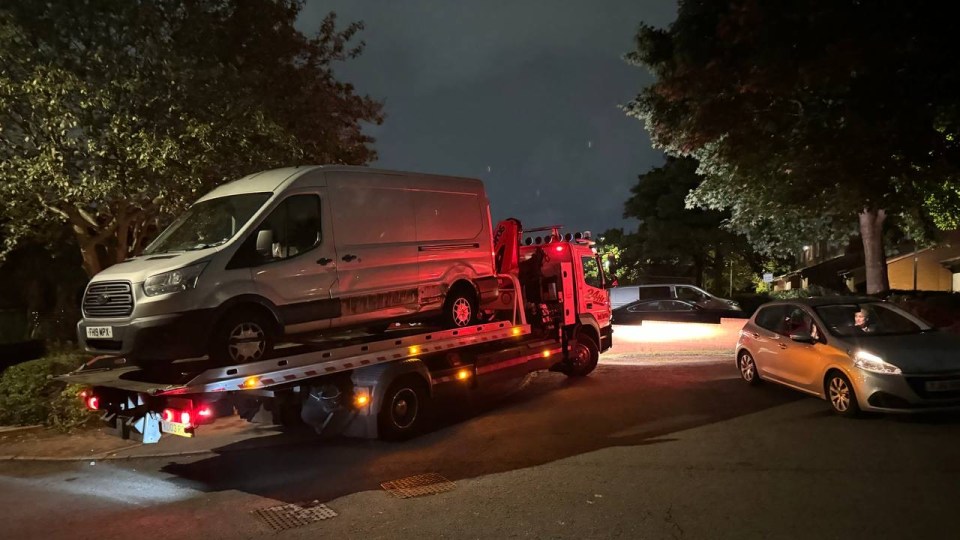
521,94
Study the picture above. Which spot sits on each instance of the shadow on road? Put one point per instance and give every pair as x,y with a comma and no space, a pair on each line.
551,419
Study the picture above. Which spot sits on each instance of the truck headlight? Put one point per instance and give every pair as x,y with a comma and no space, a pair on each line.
873,363
173,281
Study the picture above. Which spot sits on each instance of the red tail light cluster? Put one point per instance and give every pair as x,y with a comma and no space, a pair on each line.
200,415
93,403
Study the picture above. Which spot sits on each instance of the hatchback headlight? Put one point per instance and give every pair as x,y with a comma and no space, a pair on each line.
173,281
873,363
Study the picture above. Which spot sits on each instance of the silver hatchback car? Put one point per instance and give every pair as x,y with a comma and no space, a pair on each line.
859,354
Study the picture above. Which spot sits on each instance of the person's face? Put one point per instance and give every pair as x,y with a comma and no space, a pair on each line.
860,318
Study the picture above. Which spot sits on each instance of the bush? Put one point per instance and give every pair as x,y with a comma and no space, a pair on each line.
30,395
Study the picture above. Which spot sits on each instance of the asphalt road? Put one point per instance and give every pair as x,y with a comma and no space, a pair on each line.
676,450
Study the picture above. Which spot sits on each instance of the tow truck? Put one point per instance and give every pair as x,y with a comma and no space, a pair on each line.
552,313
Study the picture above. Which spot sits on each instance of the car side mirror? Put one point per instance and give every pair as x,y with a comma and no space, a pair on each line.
265,242
803,338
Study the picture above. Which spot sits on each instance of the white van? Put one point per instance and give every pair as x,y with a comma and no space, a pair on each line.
296,250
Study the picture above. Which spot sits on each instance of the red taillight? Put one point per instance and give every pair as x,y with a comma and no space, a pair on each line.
167,415
205,411
559,248
185,417
93,403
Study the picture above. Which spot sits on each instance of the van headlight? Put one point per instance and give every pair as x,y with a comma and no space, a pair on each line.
173,281
873,363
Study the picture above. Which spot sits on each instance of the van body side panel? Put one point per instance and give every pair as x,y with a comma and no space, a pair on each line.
376,244
453,234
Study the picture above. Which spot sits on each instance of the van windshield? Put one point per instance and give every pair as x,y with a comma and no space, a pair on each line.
208,223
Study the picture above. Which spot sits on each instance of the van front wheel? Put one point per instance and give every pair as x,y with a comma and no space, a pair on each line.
242,337
460,308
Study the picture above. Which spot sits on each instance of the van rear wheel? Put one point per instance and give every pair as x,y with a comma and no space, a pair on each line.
242,337
460,307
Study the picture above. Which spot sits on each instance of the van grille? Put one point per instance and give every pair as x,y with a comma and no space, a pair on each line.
108,299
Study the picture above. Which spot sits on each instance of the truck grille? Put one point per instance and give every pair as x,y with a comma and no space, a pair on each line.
108,299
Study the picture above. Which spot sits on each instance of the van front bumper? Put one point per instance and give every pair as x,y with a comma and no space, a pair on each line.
160,337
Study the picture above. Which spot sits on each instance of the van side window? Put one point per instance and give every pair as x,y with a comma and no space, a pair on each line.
296,229
654,293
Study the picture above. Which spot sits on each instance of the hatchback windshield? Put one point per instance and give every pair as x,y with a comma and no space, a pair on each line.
869,319
208,223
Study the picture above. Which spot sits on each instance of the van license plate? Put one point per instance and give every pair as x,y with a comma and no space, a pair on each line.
100,332
943,386
175,428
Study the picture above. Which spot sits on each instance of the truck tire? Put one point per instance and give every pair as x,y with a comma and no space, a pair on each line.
242,336
460,307
585,356
404,409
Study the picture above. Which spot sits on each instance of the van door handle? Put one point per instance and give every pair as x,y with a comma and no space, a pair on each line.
348,258
323,261
783,345
756,335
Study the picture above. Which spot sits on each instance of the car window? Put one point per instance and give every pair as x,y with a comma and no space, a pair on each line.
869,319
640,307
654,292
690,294
673,305
771,318
798,321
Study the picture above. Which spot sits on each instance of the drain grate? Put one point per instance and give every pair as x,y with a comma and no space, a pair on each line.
291,516
418,486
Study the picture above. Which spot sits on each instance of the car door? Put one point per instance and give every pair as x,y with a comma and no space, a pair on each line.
692,295
635,312
802,364
299,275
767,340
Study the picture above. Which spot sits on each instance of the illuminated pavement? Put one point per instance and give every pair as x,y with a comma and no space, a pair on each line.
634,451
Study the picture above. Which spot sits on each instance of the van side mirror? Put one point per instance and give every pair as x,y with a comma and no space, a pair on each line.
265,242
803,338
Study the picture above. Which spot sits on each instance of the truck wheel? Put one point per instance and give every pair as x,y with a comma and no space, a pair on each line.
460,308
585,356
404,408
241,337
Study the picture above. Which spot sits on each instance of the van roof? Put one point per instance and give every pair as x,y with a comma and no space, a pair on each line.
278,179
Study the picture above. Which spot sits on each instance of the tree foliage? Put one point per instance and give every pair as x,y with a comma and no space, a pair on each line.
810,119
115,114
672,235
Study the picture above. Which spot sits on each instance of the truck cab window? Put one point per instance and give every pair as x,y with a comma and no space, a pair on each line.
591,272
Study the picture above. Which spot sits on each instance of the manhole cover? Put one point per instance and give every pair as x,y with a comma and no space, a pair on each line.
417,486
290,516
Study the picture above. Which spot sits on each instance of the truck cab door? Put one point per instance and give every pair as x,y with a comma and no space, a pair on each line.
593,298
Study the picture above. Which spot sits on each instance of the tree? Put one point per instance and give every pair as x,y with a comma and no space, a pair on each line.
672,234
810,120
116,114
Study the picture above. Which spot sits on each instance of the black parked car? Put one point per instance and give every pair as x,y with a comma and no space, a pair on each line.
670,310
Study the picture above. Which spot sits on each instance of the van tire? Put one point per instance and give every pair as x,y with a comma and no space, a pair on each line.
242,336
460,307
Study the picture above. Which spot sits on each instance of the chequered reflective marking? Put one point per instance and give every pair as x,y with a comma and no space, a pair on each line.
418,486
